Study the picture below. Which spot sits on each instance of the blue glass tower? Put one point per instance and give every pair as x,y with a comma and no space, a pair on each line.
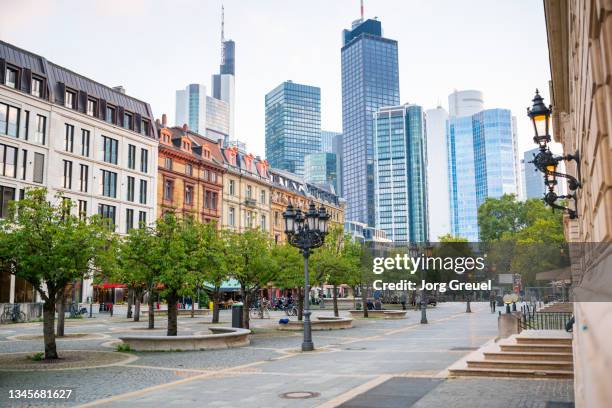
400,163
481,164
321,169
534,184
370,80
293,125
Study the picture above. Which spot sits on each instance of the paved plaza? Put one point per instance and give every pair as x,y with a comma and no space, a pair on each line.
378,363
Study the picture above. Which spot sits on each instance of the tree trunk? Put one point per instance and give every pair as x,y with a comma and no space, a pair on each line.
300,305
245,310
48,327
335,297
216,301
172,315
192,307
61,314
364,300
137,301
130,297
151,310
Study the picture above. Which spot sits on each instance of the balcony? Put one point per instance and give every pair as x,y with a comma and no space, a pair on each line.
251,202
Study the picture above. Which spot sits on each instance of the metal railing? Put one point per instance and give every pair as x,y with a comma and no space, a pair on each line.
534,320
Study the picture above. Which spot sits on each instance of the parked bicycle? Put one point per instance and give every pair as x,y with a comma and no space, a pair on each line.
75,311
291,310
11,313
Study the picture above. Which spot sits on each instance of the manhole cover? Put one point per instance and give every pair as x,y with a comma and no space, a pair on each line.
300,395
464,348
355,348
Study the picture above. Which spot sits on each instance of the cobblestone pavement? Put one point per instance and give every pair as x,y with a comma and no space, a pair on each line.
257,375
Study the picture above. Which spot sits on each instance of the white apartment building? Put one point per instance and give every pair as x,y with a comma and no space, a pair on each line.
94,144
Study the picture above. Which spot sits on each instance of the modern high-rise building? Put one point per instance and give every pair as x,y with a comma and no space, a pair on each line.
321,168
293,125
203,114
465,103
534,186
337,149
370,80
400,173
437,174
327,140
481,164
223,83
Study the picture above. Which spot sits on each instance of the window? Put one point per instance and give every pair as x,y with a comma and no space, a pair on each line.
248,219
249,192
8,161
232,187
168,163
37,87
130,188
9,120
7,194
276,218
128,122
11,78
69,99
24,163
231,217
188,195
108,214
168,189
262,196
131,157
144,160
85,142
39,167
67,174
129,219
263,223
82,209
143,191
109,183
91,107
41,129
144,127
213,201
83,181
110,114
142,219
69,138
189,169
26,125
110,147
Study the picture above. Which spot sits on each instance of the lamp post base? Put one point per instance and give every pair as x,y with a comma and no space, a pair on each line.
307,346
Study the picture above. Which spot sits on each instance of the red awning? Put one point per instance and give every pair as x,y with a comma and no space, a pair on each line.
111,285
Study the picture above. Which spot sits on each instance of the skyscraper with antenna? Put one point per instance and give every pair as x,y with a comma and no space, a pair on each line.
223,82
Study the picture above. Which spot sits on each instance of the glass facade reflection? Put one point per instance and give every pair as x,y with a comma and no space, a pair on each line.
293,125
400,163
370,80
481,164
321,169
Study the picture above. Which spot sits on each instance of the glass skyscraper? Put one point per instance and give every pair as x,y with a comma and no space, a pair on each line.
321,169
327,140
533,179
481,164
370,80
293,125
400,168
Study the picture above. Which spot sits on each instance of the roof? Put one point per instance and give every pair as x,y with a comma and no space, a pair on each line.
57,75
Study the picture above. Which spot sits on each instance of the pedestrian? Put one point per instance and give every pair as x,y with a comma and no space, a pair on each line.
492,301
403,301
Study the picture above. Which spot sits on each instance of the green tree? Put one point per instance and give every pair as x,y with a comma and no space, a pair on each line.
43,243
497,216
290,271
211,262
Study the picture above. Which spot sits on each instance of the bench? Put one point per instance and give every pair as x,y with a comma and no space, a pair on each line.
221,338
321,323
386,314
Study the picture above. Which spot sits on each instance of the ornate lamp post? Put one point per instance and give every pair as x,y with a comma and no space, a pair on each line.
306,232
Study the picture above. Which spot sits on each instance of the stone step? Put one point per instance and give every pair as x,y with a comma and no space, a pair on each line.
544,340
507,372
548,348
523,365
530,356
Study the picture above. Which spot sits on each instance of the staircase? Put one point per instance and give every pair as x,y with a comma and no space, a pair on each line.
531,354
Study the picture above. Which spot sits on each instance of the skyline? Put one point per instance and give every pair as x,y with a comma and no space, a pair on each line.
507,81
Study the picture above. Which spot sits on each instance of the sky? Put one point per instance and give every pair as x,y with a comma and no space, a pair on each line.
154,47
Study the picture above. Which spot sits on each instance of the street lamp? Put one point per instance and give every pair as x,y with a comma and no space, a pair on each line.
306,232
540,117
428,253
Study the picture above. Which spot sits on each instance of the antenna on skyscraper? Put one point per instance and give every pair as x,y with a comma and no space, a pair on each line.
361,10
222,24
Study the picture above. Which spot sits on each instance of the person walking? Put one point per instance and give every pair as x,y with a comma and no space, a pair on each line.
492,301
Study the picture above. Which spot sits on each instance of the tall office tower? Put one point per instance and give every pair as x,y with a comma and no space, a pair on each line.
327,140
437,175
223,83
481,164
321,168
203,114
370,80
465,103
400,173
293,125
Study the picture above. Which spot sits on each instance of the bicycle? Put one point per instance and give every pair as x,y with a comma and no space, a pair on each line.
259,312
291,310
11,313
75,311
